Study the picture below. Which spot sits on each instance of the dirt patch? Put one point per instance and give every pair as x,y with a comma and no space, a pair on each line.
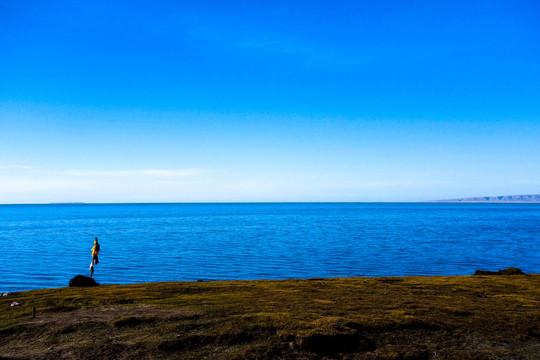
77,333
108,314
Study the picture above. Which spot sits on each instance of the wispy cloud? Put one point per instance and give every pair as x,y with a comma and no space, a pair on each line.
302,50
309,52
258,44
386,184
18,167
156,173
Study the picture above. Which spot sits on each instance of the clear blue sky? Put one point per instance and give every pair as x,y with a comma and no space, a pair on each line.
142,101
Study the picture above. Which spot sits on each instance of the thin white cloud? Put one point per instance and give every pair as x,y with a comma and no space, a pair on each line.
26,186
156,173
305,51
25,167
171,173
309,52
381,184
19,167
258,44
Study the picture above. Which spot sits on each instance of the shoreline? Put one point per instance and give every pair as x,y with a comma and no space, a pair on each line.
260,279
411,317
510,271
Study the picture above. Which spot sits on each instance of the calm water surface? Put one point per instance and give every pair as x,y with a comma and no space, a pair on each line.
45,245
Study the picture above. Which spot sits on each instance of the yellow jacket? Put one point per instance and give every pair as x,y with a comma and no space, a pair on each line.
95,249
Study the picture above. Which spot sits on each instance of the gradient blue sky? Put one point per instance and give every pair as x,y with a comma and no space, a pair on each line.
173,101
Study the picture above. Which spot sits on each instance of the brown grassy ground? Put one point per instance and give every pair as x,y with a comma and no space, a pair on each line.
457,317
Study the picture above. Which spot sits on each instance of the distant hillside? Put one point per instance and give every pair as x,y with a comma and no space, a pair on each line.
498,199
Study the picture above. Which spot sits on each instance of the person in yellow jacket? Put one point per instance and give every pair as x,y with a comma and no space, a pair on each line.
95,253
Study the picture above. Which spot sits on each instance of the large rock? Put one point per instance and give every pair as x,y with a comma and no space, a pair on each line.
509,271
82,281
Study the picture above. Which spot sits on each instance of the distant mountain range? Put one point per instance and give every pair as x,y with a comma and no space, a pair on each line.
497,199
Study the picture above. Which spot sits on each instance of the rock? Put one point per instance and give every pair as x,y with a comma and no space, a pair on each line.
485,272
511,271
508,271
7,293
82,281
15,304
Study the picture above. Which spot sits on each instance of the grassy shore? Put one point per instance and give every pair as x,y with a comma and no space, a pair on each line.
449,317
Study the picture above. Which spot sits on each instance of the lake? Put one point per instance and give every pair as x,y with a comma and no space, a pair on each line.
45,245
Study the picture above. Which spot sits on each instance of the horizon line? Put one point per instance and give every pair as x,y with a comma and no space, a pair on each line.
276,202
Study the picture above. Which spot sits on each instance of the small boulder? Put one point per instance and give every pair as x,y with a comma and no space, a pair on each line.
511,271
82,281
508,271
485,272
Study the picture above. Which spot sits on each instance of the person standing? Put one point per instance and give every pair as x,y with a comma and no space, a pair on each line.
95,254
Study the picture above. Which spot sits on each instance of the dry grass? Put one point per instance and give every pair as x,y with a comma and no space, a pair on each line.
459,317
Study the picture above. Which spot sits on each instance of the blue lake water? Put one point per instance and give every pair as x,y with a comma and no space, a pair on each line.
45,245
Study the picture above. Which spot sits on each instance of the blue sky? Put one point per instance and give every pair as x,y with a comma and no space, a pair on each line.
172,101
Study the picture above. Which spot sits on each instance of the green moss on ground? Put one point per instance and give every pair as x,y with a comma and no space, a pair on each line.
454,317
